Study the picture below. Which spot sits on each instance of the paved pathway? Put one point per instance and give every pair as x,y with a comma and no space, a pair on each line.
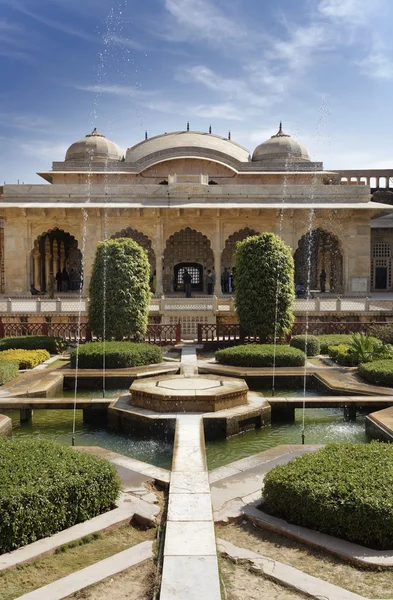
190,567
189,363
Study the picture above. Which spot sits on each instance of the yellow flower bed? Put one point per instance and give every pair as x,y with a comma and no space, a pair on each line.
27,359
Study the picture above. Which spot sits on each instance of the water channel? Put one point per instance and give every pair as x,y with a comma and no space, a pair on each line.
322,426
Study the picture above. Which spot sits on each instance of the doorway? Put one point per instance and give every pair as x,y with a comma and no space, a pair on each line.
381,278
196,272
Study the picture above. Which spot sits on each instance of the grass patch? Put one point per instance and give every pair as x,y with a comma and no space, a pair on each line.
68,559
371,583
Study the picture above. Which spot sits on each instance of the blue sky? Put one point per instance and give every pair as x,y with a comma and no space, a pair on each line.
325,67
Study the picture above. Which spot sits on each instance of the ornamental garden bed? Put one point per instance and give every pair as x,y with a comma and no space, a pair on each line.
115,355
378,372
53,345
344,490
261,355
46,487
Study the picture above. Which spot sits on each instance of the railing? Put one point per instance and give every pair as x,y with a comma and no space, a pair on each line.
159,335
212,304
232,333
71,332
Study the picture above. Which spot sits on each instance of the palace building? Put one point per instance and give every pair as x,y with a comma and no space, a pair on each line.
187,197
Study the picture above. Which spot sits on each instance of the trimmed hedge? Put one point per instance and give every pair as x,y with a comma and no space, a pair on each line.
54,345
261,355
46,487
264,284
333,339
118,355
343,355
345,490
119,290
379,372
8,370
26,359
299,342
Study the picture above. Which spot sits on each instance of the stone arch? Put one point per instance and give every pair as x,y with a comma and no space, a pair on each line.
187,247
227,257
319,250
143,240
55,250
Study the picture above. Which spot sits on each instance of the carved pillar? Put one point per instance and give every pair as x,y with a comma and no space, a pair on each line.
159,251
55,264
62,256
216,247
36,269
48,260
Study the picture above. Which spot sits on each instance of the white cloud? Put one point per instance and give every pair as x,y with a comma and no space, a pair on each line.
53,24
42,150
112,38
202,19
377,66
353,11
115,89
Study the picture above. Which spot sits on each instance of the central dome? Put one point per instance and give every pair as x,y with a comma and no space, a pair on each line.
185,144
281,148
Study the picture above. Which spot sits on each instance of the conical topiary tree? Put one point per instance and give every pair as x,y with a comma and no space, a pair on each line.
119,288
264,285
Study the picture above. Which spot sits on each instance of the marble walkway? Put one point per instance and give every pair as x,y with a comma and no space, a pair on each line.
190,568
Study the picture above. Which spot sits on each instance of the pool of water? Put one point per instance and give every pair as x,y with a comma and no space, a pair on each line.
322,426
57,425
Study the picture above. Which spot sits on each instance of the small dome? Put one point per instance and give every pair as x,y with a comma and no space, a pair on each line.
95,147
281,147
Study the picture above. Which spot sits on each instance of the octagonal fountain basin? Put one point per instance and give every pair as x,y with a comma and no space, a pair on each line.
178,393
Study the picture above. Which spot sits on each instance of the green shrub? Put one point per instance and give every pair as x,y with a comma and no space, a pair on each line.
345,490
46,487
26,359
8,370
343,355
119,289
379,372
264,284
118,355
54,345
300,341
382,332
332,340
261,355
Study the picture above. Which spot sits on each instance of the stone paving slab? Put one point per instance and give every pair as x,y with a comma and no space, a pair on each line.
201,581
62,588
189,483
190,539
190,507
250,480
189,458
136,468
286,575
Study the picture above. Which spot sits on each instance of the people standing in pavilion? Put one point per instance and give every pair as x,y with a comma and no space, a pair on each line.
73,280
65,280
322,281
187,279
209,282
58,280
225,281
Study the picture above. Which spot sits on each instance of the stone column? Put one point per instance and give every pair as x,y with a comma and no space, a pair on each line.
62,256
48,260
158,247
37,269
217,251
55,264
